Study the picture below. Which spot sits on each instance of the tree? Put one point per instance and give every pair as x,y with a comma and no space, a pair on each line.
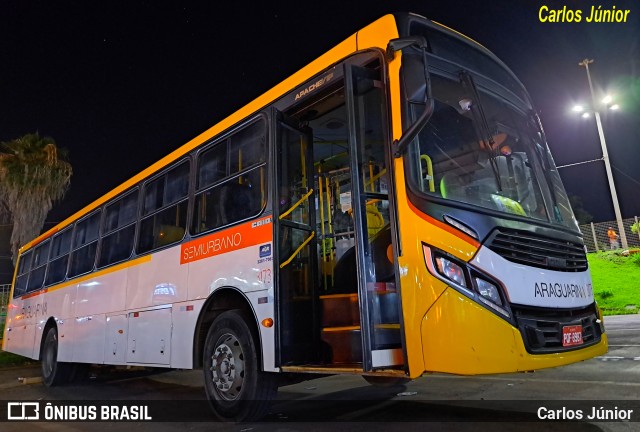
33,176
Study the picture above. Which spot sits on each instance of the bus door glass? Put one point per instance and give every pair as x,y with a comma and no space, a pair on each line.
295,243
378,293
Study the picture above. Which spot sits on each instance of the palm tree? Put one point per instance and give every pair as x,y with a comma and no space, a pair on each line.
32,178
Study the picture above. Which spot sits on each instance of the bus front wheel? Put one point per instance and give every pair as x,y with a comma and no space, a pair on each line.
236,387
53,372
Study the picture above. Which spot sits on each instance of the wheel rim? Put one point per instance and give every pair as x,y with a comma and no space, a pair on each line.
227,367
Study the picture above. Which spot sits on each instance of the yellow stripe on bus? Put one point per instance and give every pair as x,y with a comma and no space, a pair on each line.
115,268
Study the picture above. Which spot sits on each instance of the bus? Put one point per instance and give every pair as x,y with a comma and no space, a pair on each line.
389,210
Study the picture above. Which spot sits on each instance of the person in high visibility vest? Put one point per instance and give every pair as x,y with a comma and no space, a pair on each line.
613,238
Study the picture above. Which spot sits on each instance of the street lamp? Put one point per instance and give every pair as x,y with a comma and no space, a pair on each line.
605,154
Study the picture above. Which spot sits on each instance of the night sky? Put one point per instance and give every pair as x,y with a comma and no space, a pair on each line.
122,83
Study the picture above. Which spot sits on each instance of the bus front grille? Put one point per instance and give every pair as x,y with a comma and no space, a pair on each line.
542,332
538,251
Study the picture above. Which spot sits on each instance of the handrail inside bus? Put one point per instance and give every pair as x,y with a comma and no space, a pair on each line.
427,159
293,207
375,178
297,251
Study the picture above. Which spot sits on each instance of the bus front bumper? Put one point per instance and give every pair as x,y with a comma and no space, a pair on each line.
461,337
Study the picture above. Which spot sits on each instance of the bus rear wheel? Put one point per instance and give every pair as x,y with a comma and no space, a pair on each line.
236,387
54,373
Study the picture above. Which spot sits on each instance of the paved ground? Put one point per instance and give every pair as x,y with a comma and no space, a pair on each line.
435,402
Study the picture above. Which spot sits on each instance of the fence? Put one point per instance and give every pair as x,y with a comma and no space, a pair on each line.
595,234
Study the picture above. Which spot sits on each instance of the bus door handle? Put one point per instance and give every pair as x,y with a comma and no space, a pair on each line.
133,348
162,346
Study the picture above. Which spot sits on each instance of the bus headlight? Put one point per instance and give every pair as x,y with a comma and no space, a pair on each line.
467,280
451,271
489,294
489,291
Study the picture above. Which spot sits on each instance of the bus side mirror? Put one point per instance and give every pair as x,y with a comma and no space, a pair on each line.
416,85
415,78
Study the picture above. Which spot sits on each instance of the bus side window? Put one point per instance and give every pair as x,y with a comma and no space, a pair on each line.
165,209
212,168
222,196
239,201
212,165
118,230
39,266
60,247
85,245
247,147
20,286
245,196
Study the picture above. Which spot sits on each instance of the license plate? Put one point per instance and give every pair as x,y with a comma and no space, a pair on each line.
571,335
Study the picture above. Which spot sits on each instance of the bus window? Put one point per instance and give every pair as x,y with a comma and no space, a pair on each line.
238,197
39,266
177,183
24,266
59,257
119,230
165,209
247,147
212,165
85,242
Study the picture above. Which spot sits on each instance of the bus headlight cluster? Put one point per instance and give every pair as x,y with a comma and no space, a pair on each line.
450,270
467,280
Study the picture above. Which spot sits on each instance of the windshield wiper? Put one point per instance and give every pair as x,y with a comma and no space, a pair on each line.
546,165
481,125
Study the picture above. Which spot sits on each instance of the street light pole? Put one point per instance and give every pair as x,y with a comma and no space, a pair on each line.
605,157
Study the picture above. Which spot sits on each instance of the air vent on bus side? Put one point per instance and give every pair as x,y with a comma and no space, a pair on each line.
538,251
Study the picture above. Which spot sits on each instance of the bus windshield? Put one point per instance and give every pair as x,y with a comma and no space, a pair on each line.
479,149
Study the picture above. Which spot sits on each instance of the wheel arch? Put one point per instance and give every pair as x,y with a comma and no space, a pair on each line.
51,322
222,300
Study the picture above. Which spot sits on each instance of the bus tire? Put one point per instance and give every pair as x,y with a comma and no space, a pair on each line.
54,373
236,388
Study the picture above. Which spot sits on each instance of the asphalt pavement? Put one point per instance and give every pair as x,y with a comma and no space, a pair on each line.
433,402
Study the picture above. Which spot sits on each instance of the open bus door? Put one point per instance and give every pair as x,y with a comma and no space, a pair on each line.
295,243
336,288
378,293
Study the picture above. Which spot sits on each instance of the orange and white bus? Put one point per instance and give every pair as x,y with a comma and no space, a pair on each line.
389,210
